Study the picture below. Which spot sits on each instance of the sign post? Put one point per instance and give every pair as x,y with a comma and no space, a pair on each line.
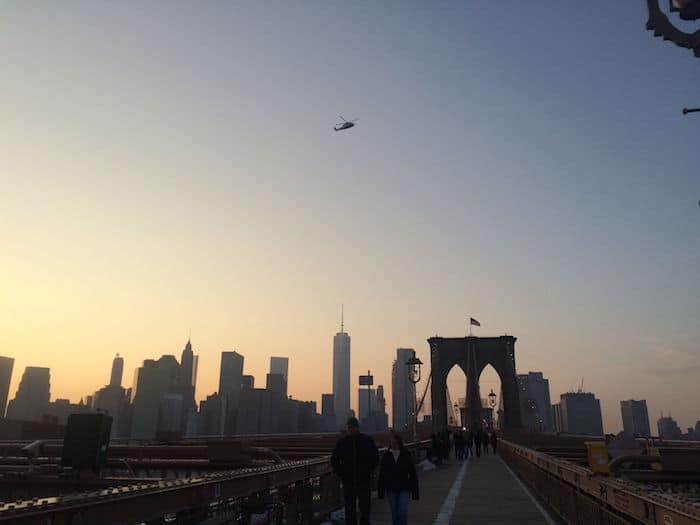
368,380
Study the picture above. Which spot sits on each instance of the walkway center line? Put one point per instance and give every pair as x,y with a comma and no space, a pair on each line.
448,506
544,513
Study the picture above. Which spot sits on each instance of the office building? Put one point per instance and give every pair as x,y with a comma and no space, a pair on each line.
33,394
114,400
668,428
6,365
328,413
556,418
276,383
635,418
341,374
402,391
247,382
535,403
212,414
580,414
230,386
152,381
280,365
116,376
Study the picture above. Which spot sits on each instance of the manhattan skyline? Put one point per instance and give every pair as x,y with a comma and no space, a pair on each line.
173,169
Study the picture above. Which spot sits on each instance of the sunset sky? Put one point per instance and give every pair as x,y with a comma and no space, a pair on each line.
171,167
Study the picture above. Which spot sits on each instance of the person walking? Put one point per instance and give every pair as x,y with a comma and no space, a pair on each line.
477,442
459,444
354,459
397,480
470,443
485,442
494,441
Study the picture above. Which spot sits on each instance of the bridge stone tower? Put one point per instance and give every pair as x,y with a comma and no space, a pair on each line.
472,354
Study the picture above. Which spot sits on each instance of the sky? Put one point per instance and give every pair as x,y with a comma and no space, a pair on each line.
170,168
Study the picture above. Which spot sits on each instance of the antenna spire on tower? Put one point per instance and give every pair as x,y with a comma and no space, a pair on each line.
342,315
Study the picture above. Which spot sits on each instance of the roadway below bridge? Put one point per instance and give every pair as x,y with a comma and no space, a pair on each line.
480,490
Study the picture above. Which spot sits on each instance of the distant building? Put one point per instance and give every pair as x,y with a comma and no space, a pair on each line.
635,418
580,414
372,409
6,365
32,398
170,413
247,382
341,375
328,413
115,378
280,365
58,411
230,386
535,403
668,428
276,383
114,400
402,390
259,412
212,414
697,429
556,418
152,381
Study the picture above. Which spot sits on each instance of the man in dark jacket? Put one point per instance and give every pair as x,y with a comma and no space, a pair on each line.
354,459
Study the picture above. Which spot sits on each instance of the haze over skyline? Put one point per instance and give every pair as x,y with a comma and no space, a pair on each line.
167,168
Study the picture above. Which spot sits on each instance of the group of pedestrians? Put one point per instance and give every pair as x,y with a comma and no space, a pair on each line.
356,457
474,443
354,460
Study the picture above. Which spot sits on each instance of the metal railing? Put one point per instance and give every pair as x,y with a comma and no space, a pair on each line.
580,497
298,491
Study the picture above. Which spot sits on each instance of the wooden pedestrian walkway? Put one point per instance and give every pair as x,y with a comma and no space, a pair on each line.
480,491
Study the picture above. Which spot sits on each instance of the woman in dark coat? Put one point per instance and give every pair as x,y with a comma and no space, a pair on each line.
397,480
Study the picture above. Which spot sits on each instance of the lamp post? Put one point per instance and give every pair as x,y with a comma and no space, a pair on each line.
492,404
414,372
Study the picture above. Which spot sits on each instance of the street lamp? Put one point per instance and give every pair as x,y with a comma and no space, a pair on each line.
690,110
414,372
492,399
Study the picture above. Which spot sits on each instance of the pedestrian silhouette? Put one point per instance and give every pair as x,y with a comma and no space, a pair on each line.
477,442
397,480
354,459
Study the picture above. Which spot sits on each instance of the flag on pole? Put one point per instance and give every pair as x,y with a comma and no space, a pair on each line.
474,322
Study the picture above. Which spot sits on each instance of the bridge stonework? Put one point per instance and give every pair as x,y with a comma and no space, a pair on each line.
472,354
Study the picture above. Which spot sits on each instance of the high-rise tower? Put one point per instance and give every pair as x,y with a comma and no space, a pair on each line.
341,373
402,390
115,379
6,365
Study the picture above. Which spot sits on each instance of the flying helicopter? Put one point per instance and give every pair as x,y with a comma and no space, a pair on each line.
346,124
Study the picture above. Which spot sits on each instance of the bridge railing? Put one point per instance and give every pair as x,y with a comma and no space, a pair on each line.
296,492
581,497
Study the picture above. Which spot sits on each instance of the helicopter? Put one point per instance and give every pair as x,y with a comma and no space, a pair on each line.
346,124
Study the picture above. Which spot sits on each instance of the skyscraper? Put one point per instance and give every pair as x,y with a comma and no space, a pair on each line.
230,385
280,365
6,364
580,414
115,378
114,400
402,390
152,382
32,398
668,428
535,403
341,374
635,418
